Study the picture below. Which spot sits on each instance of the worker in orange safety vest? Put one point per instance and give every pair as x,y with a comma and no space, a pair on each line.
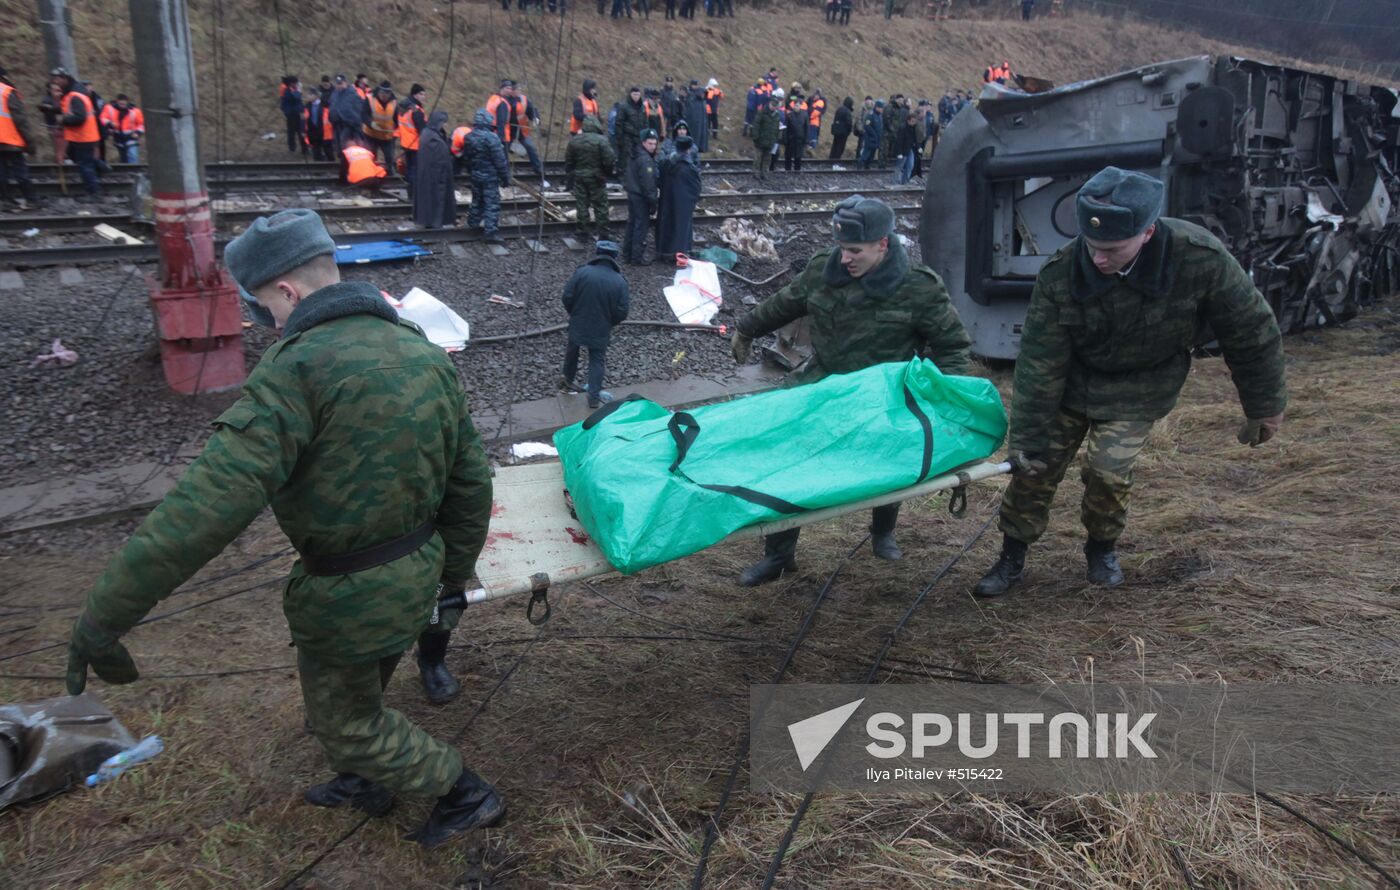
380,122
459,144
15,142
413,117
585,105
125,125
363,170
816,108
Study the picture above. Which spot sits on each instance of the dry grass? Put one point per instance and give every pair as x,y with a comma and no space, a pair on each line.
1274,564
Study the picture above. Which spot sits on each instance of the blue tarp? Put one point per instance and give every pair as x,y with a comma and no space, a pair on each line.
378,252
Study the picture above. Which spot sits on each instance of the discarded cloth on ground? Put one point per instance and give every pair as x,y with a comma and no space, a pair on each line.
651,485
694,295
442,326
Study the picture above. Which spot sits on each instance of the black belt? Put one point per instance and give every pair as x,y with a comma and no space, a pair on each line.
378,555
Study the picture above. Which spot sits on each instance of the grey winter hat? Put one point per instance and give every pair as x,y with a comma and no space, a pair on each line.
272,246
860,220
1116,205
607,248
646,134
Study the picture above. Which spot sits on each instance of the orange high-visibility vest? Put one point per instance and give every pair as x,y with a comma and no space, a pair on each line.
521,114
87,130
590,107
814,119
362,165
381,124
408,133
9,133
459,140
132,122
711,94
491,105
363,93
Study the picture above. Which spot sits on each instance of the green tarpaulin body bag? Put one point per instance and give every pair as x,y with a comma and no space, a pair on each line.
651,485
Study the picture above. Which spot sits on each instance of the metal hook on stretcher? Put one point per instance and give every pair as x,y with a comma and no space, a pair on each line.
682,260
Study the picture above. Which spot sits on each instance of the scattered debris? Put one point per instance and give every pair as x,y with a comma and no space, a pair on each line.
741,235
505,301
29,233
694,295
59,355
440,324
526,450
147,749
114,234
49,746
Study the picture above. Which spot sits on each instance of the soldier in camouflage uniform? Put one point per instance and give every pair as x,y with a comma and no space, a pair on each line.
353,427
868,304
1105,349
485,159
587,162
765,136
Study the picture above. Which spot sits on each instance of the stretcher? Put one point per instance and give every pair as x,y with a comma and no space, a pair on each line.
534,540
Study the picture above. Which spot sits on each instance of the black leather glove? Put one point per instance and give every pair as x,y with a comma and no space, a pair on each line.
95,646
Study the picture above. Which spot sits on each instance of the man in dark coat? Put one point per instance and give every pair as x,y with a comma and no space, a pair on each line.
695,111
597,300
434,198
794,132
671,101
631,121
841,127
680,192
640,180
485,158
873,133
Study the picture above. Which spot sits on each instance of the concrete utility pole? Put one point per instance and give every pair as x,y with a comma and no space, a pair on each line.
196,304
57,26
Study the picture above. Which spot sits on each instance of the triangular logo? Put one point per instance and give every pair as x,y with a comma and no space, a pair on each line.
811,736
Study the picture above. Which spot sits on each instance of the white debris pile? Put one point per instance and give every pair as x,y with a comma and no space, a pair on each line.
743,238
59,355
694,294
442,326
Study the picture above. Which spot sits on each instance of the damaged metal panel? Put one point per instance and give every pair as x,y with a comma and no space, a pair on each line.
1294,171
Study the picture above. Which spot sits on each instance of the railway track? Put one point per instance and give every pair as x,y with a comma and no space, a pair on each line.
75,223
224,178
97,253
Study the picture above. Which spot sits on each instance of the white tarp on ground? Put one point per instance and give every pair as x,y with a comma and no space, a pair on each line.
694,296
444,327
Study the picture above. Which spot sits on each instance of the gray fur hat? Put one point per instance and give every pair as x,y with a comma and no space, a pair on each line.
1116,205
860,220
272,246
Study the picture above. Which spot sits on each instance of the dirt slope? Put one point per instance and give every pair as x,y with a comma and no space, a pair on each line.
408,42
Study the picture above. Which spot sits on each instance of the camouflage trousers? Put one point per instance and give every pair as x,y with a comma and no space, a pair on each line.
1107,471
345,706
486,205
761,160
591,196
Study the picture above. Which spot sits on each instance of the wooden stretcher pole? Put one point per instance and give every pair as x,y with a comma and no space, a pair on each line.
965,476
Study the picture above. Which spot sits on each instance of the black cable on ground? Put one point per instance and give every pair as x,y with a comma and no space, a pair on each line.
885,646
713,824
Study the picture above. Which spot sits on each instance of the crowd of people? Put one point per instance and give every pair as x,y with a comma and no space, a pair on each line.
80,123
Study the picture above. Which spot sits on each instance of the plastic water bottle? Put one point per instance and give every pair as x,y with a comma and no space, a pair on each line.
118,763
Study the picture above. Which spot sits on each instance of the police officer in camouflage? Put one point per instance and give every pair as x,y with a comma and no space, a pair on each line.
484,156
354,429
1105,350
868,304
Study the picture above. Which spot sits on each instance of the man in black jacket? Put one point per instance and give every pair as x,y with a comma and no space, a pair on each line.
597,300
841,127
642,199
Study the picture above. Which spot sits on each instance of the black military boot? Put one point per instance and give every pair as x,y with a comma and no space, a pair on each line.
1006,572
882,522
362,794
468,804
1102,559
779,555
438,681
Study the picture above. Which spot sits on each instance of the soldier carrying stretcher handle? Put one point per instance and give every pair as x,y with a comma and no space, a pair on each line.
349,425
868,304
1105,350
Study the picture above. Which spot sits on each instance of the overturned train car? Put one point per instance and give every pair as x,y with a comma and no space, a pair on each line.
1295,171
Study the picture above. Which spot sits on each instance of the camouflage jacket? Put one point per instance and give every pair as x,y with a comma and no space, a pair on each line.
590,157
1116,347
893,313
355,429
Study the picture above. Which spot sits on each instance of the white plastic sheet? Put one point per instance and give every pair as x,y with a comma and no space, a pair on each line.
444,327
694,296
